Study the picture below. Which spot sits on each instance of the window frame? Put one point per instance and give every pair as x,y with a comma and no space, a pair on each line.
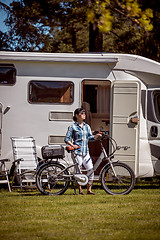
155,103
50,103
5,65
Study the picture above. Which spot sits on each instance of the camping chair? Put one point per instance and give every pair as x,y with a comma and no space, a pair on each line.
25,160
4,173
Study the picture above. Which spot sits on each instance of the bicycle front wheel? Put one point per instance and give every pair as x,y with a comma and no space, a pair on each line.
52,179
119,180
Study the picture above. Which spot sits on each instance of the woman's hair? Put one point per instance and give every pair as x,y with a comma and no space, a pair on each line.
76,112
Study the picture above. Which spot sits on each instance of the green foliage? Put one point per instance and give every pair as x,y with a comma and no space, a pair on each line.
51,26
143,18
104,11
126,26
99,13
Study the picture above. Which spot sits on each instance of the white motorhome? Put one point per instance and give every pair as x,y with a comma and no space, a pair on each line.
121,93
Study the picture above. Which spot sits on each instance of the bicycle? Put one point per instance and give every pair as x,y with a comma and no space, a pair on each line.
117,178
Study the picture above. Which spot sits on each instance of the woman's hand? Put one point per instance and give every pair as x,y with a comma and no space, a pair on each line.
75,146
97,136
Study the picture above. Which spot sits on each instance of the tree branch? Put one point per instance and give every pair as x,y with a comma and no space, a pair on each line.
5,7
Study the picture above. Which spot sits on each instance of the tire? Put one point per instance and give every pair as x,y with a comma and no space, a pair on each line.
48,183
121,184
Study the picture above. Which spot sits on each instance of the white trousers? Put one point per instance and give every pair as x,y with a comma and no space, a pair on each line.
87,163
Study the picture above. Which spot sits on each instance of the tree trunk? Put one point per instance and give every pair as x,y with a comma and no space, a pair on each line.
74,38
95,38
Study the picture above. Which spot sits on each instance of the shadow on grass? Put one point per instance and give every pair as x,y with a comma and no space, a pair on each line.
148,183
146,187
145,183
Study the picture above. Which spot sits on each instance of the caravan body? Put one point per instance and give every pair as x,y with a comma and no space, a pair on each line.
121,93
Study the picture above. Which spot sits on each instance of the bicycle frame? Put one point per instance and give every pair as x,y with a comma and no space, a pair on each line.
115,177
77,173
102,156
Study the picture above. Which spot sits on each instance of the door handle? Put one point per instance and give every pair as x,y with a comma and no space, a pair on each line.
154,131
6,110
134,120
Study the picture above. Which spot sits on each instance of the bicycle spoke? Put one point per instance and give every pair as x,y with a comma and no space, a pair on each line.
52,180
122,183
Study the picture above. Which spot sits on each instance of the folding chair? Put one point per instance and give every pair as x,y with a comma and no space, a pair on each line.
4,173
25,160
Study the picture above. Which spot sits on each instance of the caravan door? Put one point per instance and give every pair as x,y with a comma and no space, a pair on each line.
125,121
0,128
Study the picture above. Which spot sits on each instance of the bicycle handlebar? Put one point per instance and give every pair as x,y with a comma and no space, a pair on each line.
105,134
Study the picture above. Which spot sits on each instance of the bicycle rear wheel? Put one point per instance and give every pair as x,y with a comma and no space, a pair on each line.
121,183
52,179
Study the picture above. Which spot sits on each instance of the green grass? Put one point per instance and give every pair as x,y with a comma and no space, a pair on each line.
30,215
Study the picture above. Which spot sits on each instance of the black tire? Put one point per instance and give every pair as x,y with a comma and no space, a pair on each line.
121,184
48,182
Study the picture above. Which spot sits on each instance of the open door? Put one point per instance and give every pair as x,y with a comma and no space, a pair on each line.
96,102
125,121
0,128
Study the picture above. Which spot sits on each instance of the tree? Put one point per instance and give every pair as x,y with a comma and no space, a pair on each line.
84,25
103,13
128,26
48,25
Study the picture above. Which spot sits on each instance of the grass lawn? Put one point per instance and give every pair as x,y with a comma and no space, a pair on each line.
30,215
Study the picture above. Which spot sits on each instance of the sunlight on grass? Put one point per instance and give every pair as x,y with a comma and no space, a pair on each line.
30,215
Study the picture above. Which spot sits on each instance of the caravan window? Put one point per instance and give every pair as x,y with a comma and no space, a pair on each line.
51,92
157,104
7,74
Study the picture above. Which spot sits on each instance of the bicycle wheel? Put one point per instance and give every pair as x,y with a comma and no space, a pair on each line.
120,183
52,180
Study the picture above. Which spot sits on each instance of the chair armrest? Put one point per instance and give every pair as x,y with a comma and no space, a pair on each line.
18,160
4,160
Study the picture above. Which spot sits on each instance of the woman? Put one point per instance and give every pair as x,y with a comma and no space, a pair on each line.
81,133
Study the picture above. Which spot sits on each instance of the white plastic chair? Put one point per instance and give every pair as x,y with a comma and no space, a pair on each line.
25,160
4,173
